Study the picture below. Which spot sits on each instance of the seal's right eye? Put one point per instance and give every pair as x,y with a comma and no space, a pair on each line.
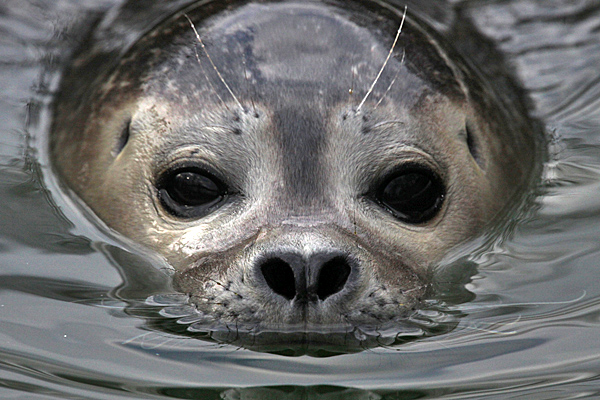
190,192
414,194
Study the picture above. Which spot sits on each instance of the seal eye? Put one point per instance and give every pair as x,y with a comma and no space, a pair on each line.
190,192
414,194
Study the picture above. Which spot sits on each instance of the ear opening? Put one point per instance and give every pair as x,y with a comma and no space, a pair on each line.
473,145
123,138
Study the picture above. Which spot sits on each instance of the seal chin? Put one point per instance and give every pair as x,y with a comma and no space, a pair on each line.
310,322
319,303
296,289
334,297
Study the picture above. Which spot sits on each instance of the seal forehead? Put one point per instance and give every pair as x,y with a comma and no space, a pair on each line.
290,52
302,139
301,42
330,47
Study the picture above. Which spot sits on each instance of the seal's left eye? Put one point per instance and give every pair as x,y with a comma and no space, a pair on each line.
190,193
414,194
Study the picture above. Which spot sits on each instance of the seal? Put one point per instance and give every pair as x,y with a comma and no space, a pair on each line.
302,166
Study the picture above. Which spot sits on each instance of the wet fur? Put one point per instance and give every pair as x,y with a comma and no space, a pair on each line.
300,140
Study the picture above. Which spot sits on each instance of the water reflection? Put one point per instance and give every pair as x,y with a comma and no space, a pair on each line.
530,332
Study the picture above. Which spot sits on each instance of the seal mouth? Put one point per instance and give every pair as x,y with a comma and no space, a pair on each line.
431,318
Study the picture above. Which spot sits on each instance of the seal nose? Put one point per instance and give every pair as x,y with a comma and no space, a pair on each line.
316,278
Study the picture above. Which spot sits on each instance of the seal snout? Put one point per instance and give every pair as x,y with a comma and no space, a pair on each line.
305,279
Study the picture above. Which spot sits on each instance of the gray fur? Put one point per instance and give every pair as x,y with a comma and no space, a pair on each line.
297,152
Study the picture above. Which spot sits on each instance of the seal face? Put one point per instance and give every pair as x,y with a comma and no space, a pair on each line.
243,145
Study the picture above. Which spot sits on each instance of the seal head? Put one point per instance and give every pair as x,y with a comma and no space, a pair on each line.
240,144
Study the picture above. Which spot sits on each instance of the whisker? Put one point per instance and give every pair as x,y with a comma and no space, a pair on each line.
212,63
351,90
248,83
392,83
389,122
204,72
385,62
218,128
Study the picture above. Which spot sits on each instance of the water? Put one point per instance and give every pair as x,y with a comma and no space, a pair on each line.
532,330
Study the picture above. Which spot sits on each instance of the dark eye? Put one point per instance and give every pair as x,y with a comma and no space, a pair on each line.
414,194
190,192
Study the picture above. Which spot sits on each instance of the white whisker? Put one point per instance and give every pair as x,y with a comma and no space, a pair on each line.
380,124
392,83
211,62
385,62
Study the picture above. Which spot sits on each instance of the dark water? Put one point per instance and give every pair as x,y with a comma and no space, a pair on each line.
532,330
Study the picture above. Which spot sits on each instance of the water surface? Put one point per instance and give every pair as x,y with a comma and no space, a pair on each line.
531,331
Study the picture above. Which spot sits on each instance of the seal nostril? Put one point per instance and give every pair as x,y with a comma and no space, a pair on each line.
332,277
280,277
